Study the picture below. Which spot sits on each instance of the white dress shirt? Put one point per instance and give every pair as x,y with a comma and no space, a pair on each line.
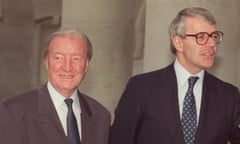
182,81
61,107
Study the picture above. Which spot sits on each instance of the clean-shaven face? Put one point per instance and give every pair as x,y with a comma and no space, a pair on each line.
66,63
192,56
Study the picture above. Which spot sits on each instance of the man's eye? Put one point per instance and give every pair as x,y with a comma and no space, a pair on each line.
58,57
215,36
76,58
200,37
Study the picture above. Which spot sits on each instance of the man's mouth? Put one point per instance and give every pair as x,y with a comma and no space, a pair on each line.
66,76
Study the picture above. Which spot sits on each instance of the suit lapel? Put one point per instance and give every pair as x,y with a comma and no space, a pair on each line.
208,109
88,120
169,91
88,124
48,120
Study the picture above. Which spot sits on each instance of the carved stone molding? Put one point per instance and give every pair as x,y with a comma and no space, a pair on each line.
1,10
50,15
49,21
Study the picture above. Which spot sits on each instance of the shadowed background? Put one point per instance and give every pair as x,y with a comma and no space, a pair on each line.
128,36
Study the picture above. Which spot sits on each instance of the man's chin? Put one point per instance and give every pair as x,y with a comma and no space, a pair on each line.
208,66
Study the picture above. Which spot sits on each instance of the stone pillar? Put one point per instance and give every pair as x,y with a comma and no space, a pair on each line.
20,29
1,9
109,24
161,12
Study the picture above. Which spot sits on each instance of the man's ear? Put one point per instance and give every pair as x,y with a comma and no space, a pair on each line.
86,66
46,63
178,43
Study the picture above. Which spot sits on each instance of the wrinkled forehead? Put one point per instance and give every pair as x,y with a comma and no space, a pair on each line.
69,39
67,43
199,24
70,36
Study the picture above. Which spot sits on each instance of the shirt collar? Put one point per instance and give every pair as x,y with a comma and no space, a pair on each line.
182,74
57,98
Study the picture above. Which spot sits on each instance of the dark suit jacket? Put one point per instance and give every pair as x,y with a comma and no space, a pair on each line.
32,119
148,111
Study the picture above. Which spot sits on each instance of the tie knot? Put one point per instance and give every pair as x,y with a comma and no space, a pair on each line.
69,102
192,80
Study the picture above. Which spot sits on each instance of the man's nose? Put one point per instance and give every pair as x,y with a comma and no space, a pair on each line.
67,64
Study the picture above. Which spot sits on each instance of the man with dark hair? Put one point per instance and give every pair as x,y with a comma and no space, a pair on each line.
182,103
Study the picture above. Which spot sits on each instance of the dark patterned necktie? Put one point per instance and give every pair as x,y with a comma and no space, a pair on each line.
189,114
72,130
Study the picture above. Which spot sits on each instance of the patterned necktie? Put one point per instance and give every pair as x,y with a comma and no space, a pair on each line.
189,114
72,130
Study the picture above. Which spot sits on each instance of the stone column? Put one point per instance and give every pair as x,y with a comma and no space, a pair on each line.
161,12
109,24
20,29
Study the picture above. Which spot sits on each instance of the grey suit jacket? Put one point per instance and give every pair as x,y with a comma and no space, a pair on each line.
148,111
31,118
